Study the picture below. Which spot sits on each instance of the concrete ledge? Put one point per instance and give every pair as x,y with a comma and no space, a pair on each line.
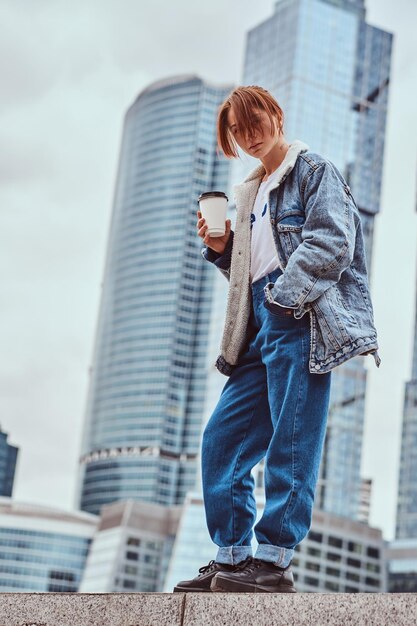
218,609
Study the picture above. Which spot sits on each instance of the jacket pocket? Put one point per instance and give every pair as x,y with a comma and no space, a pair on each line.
342,305
337,324
289,227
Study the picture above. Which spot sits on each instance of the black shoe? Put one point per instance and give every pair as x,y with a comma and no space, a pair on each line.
202,581
257,576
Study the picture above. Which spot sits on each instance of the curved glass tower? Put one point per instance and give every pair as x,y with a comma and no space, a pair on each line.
147,386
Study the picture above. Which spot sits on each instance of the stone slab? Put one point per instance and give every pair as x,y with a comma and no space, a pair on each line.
301,609
201,609
91,609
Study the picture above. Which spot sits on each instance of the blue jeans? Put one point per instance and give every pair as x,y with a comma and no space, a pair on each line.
271,406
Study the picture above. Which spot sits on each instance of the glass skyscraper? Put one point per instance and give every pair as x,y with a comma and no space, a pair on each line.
329,71
8,459
147,385
406,523
42,548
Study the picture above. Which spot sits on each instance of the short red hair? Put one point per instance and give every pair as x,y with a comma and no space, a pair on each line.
243,100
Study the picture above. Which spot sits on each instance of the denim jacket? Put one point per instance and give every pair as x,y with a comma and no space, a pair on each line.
318,236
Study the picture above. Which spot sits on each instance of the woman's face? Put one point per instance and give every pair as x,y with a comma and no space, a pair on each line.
261,141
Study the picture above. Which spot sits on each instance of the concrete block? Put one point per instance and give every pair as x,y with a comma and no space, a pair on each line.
301,609
201,609
91,609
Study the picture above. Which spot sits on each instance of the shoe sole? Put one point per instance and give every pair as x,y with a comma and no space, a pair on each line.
192,589
216,586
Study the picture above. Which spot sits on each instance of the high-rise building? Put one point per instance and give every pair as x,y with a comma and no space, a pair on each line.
402,566
42,548
403,550
147,384
406,523
131,548
8,459
329,70
365,500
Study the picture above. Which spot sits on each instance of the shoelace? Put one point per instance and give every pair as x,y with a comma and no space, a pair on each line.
244,563
255,563
207,568
210,566
252,564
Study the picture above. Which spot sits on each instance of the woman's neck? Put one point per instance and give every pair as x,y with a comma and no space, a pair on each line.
274,158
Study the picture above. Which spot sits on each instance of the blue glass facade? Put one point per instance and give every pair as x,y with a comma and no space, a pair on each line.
329,71
147,386
8,459
36,561
406,523
42,549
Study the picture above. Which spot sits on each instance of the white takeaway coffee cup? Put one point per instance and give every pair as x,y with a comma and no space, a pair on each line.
213,207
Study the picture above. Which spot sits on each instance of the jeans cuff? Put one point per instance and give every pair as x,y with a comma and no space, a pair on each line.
274,554
233,554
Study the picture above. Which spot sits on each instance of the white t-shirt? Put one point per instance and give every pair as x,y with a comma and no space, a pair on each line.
264,257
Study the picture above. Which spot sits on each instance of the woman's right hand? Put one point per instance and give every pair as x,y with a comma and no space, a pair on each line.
217,244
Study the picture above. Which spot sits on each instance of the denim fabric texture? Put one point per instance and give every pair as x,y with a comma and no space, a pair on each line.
317,230
271,406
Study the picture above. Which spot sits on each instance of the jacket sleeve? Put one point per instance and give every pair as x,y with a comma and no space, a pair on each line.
222,261
328,240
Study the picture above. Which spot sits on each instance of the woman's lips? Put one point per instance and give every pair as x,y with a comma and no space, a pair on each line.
256,145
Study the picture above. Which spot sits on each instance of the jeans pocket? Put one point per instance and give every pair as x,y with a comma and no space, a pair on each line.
278,310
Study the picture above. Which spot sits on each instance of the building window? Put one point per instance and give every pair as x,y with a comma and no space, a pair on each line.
132,556
331,571
333,556
353,562
313,551
331,586
313,536
314,582
373,567
355,547
129,584
373,552
313,566
335,542
133,541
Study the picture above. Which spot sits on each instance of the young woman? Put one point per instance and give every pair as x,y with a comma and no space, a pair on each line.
298,306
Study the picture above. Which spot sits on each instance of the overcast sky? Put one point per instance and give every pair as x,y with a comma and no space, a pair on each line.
68,72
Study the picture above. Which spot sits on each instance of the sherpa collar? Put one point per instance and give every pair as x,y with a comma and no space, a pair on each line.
295,148
239,297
